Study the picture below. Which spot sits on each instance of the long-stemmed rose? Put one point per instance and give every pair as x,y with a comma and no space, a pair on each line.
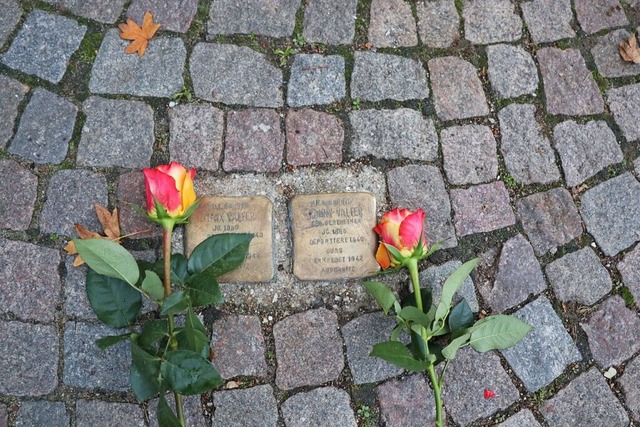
169,192
401,237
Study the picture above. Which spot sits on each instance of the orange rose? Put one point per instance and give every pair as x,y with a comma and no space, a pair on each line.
169,187
401,229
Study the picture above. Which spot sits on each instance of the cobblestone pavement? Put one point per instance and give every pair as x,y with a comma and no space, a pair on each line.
513,123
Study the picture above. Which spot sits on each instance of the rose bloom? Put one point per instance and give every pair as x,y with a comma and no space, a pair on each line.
402,229
171,186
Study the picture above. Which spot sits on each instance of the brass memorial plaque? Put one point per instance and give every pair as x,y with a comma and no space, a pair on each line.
217,215
333,236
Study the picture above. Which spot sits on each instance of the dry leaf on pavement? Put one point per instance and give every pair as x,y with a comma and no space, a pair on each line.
110,226
139,36
629,50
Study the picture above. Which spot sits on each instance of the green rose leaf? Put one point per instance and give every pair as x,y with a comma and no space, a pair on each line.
153,331
451,286
382,294
166,417
106,342
411,313
203,289
449,352
219,254
189,373
145,373
152,285
175,303
396,353
497,332
461,316
109,259
179,273
193,336
115,302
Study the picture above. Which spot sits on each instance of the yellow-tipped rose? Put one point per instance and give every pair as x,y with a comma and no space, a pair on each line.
402,230
169,190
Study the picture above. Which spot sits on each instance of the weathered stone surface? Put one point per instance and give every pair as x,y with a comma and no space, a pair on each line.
481,208
399,398
313,137
42,413
468,376
319,407
550,219
611,212
360,335
630,382
624,103
569,87
435,276
106,11
606,55
546,351
78,188
45,128
86,366
378,76
527,153
30,281
392,24
432,198
97,413
594,16
18,189
9,18
438,23
30,359
524,418
393,134
519,275
548,20
4,418
196,135
192,411
613,332
512,71
629,268
308,349
469,154
273,18
131,192
175,15
316,79
457,90
255,406
254,141
44,45
12,93
491,21
585,399
585,149
238,345
239,75
330,21
579,277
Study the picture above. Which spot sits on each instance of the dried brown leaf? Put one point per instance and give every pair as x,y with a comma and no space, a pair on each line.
84,233
109,221
629,50
139,36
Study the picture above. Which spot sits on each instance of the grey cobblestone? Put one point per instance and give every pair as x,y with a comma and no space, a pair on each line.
469,154
316,79
97,413
255,406
273,18
330,21
606,55
174,15
491,21
624,102
9,18
238,345
106,11
398,398
594,16
438,23
42,413
326,406
481,208
392,24
548,20
18,189
630,382
524,418
196,135
629,268
512,71
131,192
313,137
12,93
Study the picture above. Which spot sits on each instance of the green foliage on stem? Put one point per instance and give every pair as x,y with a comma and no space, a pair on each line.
115,302
108,258
166,417
219,254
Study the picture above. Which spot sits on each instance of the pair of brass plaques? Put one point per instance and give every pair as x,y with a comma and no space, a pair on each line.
333,234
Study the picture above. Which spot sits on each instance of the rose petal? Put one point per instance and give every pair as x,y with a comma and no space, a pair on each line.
163,188
382,256
411,229
488,394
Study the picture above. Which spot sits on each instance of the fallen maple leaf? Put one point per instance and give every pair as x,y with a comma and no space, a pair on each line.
110,226
139,36
629,50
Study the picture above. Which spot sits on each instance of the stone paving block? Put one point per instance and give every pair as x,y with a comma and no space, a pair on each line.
18,189
254,141
469,154
569,87
158,73
329,21
313,137
579,277
611,211
624,103
399,398
457,90
46,127
105,11
360,335
550,219
606,55
629,268
524,418
12,93
546,351
116,132
174,15
594,16
30,281
438,23
468,376
585,149
527,152
4,418
86,366
391,24
512,71
481,208
327,406
42,413
192,411
239,75
393,134
308,349
630,382
44,45
613,332
238,345
435,276
432,198
548,20
196,135
491,21
585,399
519,275
131,191
273,18
378,76
97,413
9,17
316,79
255,406
30,359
